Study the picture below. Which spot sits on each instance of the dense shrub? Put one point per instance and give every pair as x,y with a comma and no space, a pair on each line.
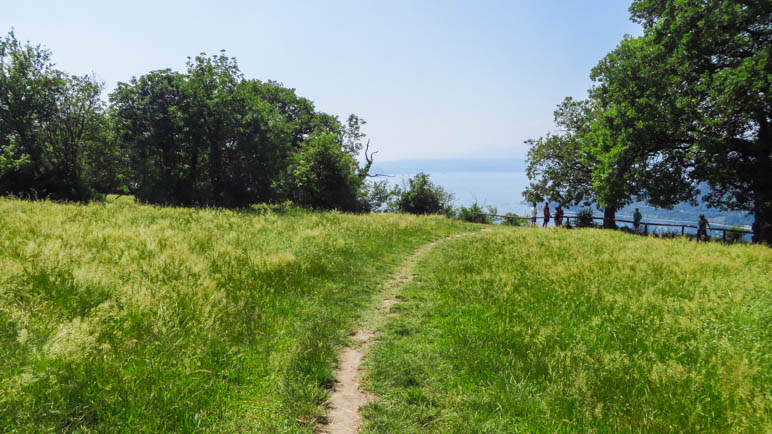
514,220
322,176
422,197
734,237
375,196
475,213
584,218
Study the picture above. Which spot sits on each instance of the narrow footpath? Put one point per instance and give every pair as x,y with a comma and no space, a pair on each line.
344,416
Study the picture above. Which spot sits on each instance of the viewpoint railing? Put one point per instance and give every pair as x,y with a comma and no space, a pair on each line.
644,224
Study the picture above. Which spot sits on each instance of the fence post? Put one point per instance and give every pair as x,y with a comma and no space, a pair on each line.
646,229
724,236
683,230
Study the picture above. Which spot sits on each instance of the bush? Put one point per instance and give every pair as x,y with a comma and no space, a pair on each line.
515,220
665,234
375,196
422,197
475,214
584,218
324,177
735,237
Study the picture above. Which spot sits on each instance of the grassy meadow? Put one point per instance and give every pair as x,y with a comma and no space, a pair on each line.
123,317
544,330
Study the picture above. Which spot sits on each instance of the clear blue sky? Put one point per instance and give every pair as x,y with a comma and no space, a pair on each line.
433,79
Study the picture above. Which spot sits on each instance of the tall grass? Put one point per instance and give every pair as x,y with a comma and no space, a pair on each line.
122,317
524,330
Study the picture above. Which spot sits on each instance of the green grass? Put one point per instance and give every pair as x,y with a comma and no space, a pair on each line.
122,317
531,330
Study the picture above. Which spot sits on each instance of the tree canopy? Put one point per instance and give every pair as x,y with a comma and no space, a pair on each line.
559,168
48,120
684,105
422,196
206,136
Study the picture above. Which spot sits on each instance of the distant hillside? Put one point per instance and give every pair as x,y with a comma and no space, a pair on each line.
449,165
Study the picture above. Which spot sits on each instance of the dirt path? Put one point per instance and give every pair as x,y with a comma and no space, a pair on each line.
347,398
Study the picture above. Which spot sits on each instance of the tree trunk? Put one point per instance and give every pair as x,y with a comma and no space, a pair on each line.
609,218
215,173
762,222
762,226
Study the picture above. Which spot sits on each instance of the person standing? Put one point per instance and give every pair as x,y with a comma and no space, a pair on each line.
533,214
702,228
637,220
559,216
546,214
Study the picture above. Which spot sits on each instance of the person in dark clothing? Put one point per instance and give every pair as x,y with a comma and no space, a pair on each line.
546,214
637,220
559,216
702,231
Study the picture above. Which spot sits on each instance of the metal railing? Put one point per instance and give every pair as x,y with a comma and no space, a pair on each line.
644,224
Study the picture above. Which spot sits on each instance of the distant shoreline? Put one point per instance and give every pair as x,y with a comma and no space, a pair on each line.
500,183
450,165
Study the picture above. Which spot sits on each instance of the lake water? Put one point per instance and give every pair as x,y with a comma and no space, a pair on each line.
502,190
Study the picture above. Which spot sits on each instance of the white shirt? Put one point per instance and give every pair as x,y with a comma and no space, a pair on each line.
533,211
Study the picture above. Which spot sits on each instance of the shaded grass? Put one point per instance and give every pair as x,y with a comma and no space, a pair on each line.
524,330
123,317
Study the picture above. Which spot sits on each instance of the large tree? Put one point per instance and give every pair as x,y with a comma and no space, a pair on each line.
688,103
634,114
151,125
47,120
75,128
558,167
209,136
561,165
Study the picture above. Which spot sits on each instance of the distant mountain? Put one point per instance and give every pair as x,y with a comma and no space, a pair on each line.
449,165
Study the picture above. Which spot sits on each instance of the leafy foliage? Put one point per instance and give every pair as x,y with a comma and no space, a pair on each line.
423,197
352,135
689,102
564,167
49,122
584,218
376,196
515,220
211,137
559,168
323,176
207,136
475,213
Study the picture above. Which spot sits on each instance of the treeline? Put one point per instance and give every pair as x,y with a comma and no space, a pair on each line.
686,104
207,136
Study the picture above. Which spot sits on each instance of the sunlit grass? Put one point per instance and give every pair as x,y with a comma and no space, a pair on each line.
536,330
122,317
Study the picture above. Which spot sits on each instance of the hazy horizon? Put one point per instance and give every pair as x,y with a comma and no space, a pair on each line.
433,80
